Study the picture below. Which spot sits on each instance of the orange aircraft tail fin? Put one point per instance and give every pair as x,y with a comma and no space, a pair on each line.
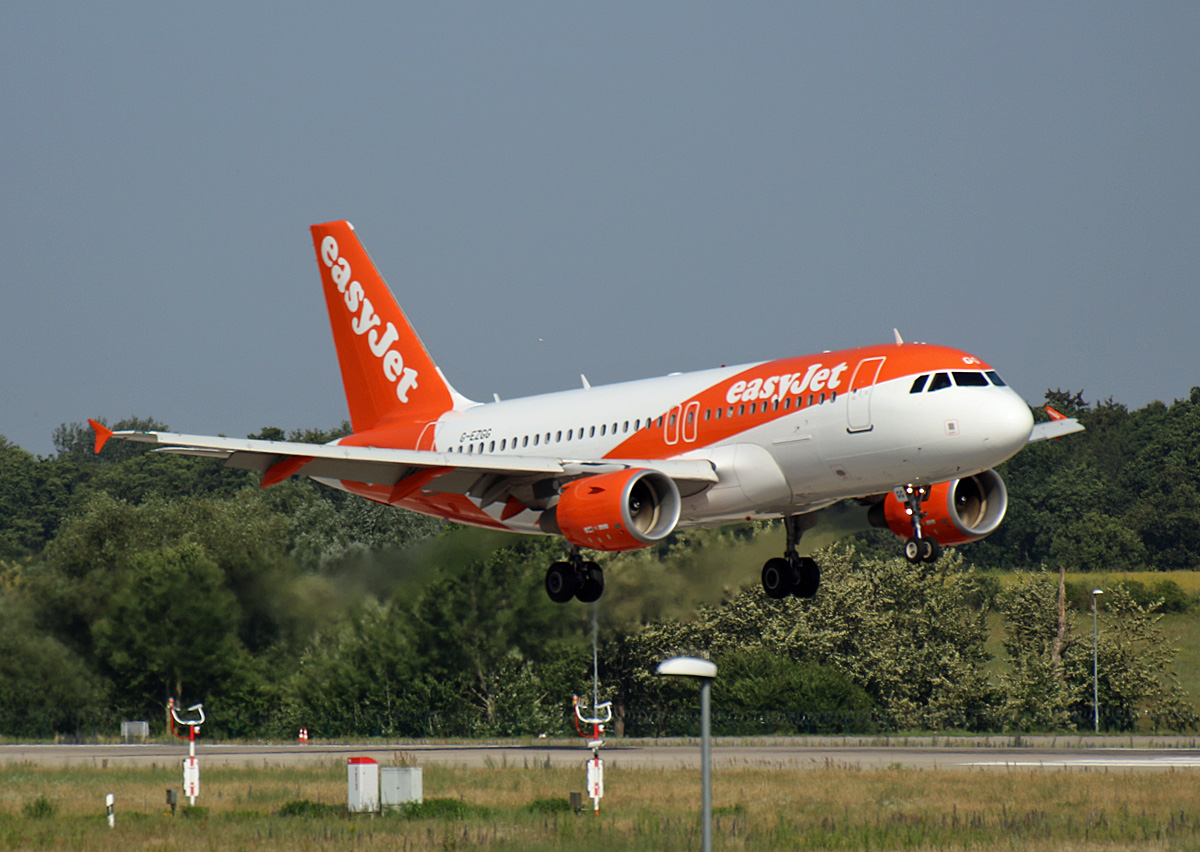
386,370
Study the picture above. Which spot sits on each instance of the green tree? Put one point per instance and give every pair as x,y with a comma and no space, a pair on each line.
330,531
44,687
364,679
476,650
759,692
903,633
1037,694
1097,542
20,531
1160,482
1050,685
239,535
170,626
482,627
1138,680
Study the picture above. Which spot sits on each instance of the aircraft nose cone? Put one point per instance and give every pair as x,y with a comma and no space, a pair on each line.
1011,423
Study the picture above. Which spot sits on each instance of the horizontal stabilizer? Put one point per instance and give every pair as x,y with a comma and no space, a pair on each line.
1055,428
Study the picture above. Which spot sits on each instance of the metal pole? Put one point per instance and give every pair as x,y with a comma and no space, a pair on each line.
1095,668
192,761
595,656
706,764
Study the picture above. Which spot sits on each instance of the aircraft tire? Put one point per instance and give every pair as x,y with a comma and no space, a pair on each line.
931,550
592,587
808,578
562,582
913,549
777,578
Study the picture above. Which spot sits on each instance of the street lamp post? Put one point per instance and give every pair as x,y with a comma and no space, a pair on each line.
1095,663
703,671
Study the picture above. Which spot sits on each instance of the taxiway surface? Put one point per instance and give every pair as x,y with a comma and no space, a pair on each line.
791,753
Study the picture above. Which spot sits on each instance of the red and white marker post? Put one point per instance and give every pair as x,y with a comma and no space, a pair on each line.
595,766
191,769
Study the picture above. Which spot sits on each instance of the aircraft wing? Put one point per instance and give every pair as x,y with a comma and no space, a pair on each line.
404,470
1057,426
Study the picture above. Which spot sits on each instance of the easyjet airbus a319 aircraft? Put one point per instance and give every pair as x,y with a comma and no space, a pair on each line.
908,431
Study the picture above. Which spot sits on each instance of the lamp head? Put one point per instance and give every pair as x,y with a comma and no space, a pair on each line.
688,667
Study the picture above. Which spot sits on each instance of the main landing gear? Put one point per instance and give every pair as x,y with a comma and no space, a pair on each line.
919,548
574,578
791,574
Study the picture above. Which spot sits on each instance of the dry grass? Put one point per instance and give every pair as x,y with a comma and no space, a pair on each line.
828,808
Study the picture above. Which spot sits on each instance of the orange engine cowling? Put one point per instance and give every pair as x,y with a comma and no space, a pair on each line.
956,512
623,510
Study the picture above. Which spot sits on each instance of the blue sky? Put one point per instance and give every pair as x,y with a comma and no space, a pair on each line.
618,189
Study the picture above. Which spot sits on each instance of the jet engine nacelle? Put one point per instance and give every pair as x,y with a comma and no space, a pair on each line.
956,512
623,510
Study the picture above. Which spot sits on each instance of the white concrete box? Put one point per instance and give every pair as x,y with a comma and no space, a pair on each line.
400,784
362,784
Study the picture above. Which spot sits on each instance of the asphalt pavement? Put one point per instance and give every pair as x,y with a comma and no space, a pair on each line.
931,753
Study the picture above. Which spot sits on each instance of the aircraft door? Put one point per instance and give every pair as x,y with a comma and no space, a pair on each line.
691,422
682,423
671,425
429,436
858,398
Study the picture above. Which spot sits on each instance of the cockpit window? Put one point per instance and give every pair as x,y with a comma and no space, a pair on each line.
940,380
970,380
919,384
996,380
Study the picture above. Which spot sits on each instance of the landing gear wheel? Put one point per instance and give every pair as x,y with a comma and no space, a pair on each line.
913,549
562,581
931,550
592,587
808,578
777,578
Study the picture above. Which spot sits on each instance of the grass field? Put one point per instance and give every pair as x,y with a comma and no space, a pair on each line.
519,808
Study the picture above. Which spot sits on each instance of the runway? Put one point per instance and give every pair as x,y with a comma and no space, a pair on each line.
980,753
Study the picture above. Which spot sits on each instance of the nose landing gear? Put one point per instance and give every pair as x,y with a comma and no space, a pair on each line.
918,548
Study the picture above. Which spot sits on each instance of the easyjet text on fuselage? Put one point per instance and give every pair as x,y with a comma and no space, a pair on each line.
815,379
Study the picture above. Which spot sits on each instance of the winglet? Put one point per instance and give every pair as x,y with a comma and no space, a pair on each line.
103,433
1054,415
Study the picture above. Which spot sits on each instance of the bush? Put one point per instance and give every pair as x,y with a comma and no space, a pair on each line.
451,809
305,808
764,693
550,806
39,808
1170,593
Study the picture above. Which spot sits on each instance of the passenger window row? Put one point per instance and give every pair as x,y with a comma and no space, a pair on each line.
604,429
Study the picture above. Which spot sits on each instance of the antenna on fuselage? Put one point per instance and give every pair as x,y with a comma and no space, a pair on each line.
899,339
